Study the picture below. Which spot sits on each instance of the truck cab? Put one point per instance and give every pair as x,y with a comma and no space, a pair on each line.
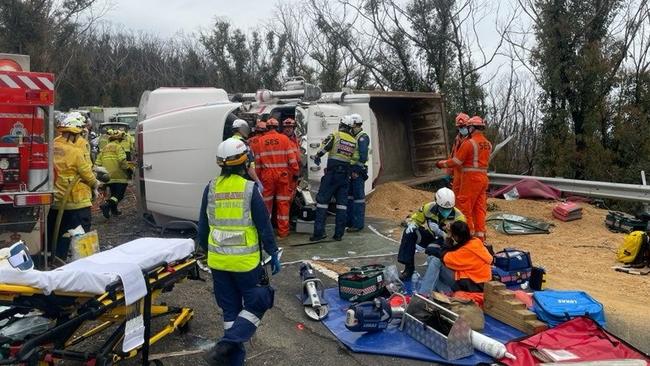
180,129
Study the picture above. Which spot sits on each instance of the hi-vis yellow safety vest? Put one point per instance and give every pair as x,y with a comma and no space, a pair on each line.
356,155
343,147
233,243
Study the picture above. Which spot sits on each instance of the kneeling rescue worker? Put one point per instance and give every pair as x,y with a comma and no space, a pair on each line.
429,225
464,264
234,226
340,147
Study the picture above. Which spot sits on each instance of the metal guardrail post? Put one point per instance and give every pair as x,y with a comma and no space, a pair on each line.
596,189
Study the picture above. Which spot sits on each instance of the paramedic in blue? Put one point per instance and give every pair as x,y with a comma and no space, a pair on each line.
234,226
359,175
339,147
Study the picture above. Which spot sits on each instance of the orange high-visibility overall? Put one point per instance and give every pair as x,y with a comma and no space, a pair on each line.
456,172
277,165
473,158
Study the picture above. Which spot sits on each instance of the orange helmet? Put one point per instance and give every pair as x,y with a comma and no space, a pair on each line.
476,121
461,119
272,122
289,122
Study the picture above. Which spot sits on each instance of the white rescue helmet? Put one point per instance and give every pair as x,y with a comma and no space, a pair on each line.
347,121
445,198
232,152
241,126
356,119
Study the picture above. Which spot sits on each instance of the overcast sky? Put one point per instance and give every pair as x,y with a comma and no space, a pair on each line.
167,17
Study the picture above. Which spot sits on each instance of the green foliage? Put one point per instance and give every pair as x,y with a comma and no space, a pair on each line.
577,62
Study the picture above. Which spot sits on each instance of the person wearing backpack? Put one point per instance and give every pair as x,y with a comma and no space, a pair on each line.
464,264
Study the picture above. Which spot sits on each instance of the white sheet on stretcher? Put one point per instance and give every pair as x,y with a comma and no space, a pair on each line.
93,274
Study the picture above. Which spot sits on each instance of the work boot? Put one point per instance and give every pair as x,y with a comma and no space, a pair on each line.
220,354
406,274
354,229
106,210
338,237
114,209
314,238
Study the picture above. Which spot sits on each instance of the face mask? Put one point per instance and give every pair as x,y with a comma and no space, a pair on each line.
445,212
464,131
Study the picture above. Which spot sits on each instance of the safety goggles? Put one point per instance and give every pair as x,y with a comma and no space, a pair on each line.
19,257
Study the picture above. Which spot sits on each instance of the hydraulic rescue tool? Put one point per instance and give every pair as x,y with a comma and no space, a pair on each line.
312,293
374,315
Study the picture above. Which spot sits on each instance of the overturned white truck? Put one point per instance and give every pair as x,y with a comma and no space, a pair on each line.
179,130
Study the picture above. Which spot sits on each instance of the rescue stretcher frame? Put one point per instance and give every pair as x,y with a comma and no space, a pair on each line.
72,310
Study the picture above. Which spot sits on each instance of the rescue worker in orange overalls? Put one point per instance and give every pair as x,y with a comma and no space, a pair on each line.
473,157
455,173
278,165
289,130
253,142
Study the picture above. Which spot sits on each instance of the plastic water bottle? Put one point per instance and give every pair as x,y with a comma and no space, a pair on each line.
415,282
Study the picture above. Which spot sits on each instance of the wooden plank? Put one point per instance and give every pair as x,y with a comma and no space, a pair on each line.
526,326
526,314
515,304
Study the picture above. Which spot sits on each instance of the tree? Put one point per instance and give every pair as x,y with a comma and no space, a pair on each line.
578,55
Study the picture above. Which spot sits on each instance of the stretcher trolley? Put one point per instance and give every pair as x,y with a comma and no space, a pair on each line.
109,298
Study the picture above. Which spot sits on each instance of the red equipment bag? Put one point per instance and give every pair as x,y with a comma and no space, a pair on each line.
581,337
567,211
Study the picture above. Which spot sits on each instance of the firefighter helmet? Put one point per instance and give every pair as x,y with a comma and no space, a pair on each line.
72,123
232,152
289,122
241,126
461,119
445,198
476,121
346,121
356,119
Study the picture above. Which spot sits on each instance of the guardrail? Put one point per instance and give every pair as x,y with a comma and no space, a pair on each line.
631,192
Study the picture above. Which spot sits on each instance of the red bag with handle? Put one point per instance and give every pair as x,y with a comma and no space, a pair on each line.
579,339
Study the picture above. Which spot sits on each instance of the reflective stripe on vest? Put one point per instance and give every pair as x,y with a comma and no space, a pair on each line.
233,243
355,156
343,147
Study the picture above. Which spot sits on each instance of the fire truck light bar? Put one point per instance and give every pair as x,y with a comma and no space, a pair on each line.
36,199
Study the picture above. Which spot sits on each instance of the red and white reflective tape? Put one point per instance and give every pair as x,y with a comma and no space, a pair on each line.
26,82
5,198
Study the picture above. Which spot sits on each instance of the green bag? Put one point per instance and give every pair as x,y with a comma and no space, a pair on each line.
361,284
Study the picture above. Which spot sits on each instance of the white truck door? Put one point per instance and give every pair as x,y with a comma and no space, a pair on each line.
179,158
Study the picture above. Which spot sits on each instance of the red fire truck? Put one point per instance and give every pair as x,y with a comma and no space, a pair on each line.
26,170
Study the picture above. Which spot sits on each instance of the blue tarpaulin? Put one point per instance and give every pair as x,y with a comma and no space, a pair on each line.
392,342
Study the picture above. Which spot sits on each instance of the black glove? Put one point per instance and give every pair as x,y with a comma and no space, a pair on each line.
434,250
